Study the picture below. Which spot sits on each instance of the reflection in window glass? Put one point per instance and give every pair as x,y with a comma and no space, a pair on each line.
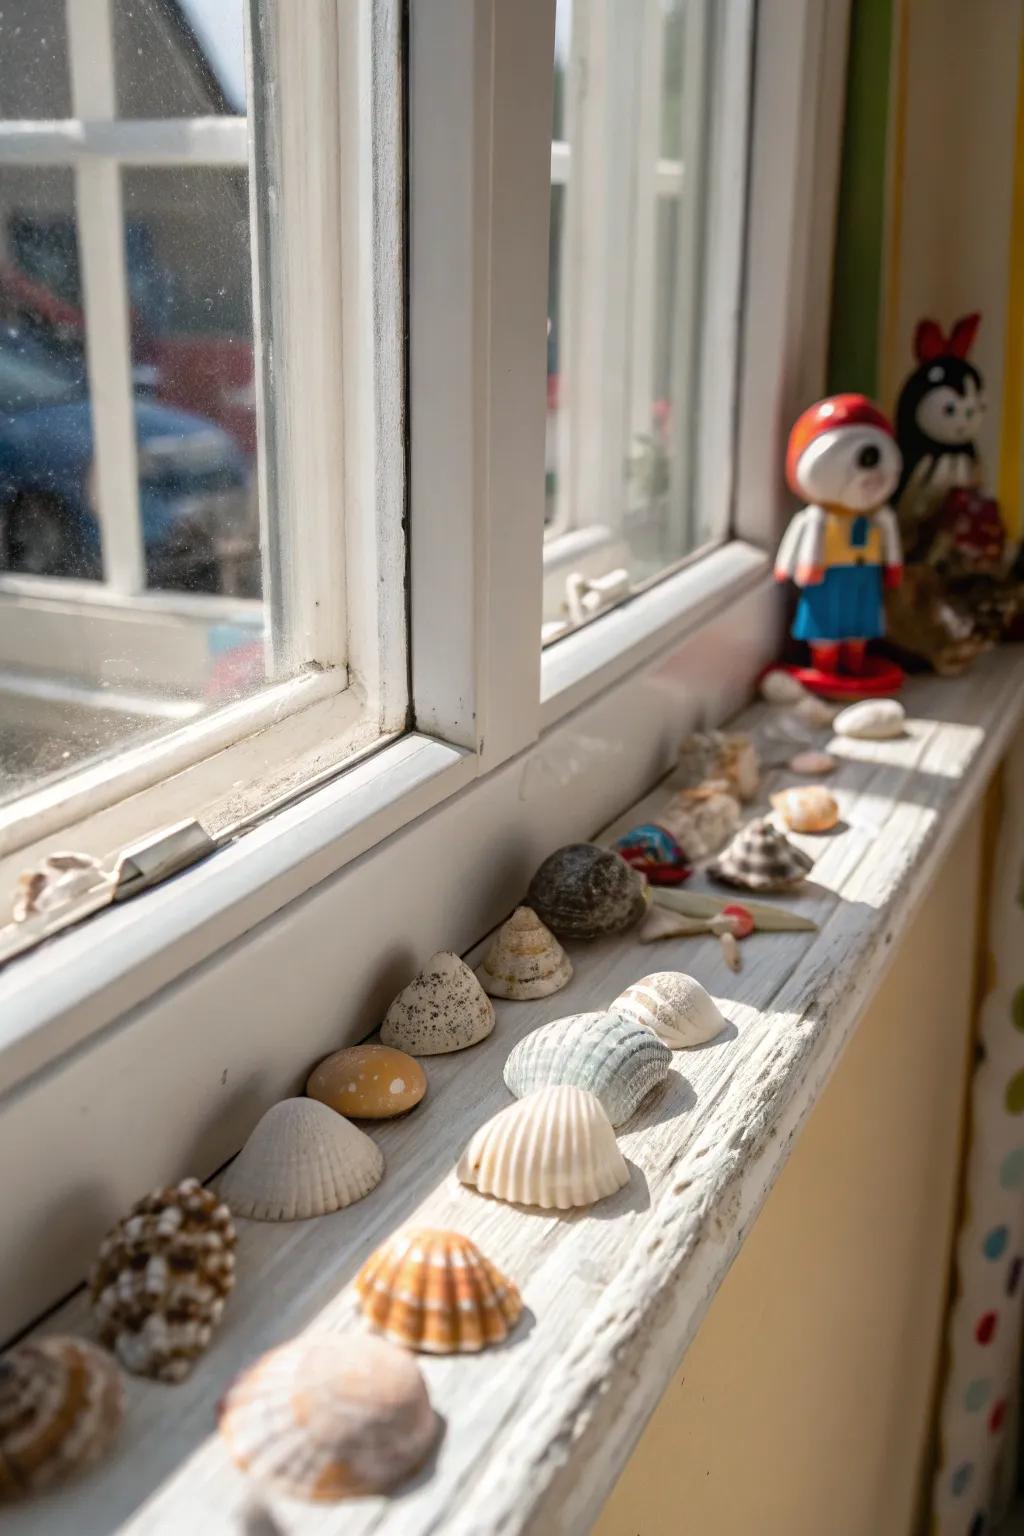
185,59
34,80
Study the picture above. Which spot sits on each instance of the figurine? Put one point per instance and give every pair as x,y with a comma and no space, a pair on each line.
938,416
844,546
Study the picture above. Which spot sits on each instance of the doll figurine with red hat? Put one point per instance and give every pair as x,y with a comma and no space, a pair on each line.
844,547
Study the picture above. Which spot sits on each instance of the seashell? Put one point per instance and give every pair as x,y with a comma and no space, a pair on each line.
368,1082
812,762
525,960
436,1292
56,880
161,1279
871,719
442,1009
556,1149
583,892
761,858
330,1416
655,853
730,756
781,687
61,1404
807,808
701,819
301,1160
664,923
815,713
675,1006
613,1058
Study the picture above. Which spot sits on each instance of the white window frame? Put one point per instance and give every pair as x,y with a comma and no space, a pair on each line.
427,843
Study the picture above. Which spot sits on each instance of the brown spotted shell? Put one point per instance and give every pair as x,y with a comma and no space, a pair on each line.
583,892
61,1404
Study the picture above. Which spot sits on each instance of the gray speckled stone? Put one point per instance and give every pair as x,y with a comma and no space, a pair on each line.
584,892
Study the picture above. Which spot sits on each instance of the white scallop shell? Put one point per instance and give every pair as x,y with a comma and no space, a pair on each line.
675,1006
301,1160
780,687
442,1009
525,960
612,1058
871,719
556,1149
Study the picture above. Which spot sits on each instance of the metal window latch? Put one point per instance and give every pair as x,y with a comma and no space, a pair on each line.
156,858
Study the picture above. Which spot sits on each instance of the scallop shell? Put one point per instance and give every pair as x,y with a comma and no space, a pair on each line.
780,687
807,808
675,1006
442,1009
872,719
583,892
812,762
436,1292
368,1082
61,1404
555,1149
161,1279
301,1160
761,858
701,819
612,1058
330,1416
525,960
731,756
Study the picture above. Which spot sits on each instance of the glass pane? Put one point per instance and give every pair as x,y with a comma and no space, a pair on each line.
180,60
34,80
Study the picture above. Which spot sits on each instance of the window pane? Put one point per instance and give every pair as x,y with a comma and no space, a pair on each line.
34,78
180,60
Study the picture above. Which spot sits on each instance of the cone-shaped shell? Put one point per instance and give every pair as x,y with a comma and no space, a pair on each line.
807,808
556,1149
442,1009
675,1006
761,858
611,1057
583,892
330,1416
525,960
61,1404
301,1160
436,1292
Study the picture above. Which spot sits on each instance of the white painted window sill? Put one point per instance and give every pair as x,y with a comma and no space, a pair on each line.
537,1432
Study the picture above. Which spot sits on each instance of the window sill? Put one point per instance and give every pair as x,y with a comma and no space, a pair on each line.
537,1432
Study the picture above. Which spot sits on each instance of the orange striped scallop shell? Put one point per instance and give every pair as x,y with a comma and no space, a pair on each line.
435,1291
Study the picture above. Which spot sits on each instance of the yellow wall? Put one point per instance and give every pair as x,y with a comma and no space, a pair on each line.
803,1406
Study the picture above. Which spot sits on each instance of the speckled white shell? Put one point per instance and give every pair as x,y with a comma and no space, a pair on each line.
779,687
442,1009
525,960
611,1057
872,719
675,1006
556,1149
301,1160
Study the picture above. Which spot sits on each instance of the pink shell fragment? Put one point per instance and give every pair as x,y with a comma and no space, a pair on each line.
813,763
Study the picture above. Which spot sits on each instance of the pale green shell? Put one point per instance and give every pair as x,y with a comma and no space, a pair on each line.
619,1062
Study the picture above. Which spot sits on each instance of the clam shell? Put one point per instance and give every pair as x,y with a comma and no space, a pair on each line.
442,1009
525,960
872,719
301,1160
436,1292
61,1404
807,808
675,1006
780,687
330,1416
583,892
555,1149
761,858
613,1058
368,1082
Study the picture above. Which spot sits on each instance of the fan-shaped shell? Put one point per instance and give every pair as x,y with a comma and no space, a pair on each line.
368,1082
807,808
583,892
761,858
556,1149
61,1404
872,719
301,1160
442,1009
330,1416
675,1006
525,960
613,1058
436,1292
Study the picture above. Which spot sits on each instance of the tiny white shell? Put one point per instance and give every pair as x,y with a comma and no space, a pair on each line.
780,687
301,1160
442,1009
812,762
872,719
675,1006
556,1149
610,1057
525,960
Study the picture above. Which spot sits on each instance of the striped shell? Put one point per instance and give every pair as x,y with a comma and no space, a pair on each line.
525,960
330,1416
675,1006
807,808
556,1149
162,1276
584,892
442,1009
761,858
436,1292
301,1160
61,1404
613,1058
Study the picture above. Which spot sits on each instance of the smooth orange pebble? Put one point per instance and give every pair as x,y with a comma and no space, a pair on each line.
368,1082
